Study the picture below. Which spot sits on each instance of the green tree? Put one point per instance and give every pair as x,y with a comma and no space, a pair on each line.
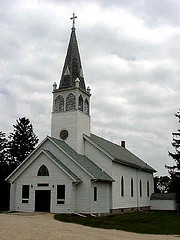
174,170
3,148
4,172
161,184
22,140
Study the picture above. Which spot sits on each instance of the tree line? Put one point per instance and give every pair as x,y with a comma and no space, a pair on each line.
13,150
22,141
171,183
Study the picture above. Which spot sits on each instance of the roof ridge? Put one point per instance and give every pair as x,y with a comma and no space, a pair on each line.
120,153
79,157
63,165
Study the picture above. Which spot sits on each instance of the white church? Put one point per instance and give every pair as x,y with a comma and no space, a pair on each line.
74,170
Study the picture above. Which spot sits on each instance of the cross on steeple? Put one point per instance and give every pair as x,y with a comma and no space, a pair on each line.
73,18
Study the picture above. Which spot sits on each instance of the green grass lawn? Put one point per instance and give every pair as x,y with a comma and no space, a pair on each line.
153,222
1,211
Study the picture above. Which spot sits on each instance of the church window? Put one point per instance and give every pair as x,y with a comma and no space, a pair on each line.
43,171
147,188
70,102
25,193
95,194
80,105
122,186
60,194
132,190
59,104
140,188
86,107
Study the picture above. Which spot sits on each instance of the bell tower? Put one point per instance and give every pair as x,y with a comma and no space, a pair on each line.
71,100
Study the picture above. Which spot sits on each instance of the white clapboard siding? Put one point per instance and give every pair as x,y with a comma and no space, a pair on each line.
127,201
160,204
56,177
99,158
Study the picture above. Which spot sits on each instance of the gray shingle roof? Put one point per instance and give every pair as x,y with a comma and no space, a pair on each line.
72,67
62,166
163,196
85,162
121,154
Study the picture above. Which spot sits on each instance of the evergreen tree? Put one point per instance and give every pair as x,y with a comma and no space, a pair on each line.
174,170
161,184
3,148
22,140
4,172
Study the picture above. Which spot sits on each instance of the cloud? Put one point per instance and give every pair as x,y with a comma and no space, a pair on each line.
130,55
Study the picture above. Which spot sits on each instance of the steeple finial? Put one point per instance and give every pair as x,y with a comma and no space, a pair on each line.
73,18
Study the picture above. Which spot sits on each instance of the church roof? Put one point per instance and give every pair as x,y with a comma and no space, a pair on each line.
85,162
72,67
62,166
121,154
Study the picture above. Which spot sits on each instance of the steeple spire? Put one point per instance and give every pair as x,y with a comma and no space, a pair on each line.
72,67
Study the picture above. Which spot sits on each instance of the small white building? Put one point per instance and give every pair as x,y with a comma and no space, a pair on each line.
76,171
163,201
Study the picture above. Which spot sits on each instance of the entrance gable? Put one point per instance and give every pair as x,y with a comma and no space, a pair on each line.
45,144
53,166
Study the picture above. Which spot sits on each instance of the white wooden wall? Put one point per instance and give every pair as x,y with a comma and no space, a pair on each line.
157,204
76,122
127,201
99,158
78,197
56,177
103,198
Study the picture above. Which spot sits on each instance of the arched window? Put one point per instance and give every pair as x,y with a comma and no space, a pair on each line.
43,171
132,190
86,107
80,104
140,188
147,188
122,186
70,102
59,104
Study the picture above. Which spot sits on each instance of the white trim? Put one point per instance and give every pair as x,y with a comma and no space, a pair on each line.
21,165
42,151
59,166
16,169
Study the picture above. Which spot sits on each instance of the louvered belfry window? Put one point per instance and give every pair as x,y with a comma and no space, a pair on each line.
80,105
59,104
70,102
86,107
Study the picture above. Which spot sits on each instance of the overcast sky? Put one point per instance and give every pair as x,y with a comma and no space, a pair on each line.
130,52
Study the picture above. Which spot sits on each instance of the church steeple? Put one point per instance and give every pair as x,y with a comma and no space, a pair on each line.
72,67
71,101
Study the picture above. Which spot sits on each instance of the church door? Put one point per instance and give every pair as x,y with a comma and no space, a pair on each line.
42,200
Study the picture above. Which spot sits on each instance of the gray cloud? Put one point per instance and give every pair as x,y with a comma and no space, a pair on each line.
130,54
